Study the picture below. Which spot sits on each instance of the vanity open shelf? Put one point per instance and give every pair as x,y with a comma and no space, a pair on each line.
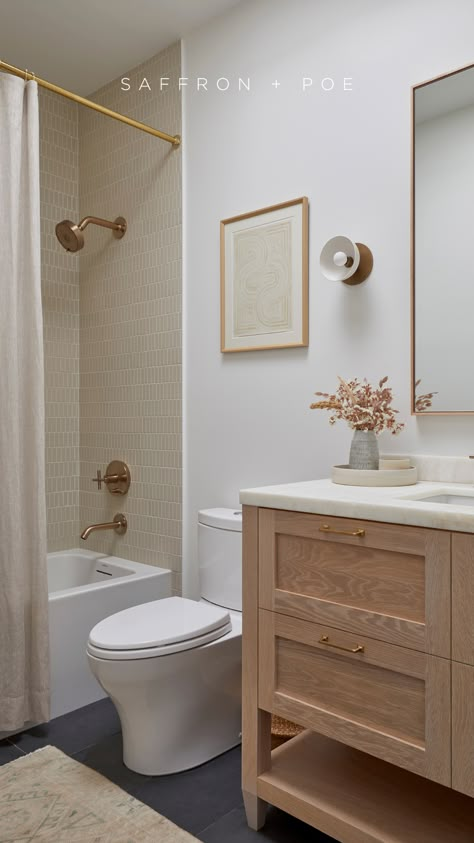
355,798
363,633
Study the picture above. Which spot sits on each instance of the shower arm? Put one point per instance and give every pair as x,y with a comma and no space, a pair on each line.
115,226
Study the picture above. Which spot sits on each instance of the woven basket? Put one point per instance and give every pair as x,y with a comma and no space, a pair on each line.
282,728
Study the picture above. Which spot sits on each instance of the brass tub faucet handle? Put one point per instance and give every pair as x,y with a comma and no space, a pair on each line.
98,479
116,478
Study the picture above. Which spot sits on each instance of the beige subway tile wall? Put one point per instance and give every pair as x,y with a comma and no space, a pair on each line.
59,182
130,317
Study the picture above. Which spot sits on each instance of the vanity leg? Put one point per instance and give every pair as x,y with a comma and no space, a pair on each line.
256,758
256,723
255,810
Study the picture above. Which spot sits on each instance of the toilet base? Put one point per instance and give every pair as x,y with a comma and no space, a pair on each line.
154,763
176,711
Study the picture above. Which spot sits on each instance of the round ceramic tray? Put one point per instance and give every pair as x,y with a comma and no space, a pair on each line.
346,476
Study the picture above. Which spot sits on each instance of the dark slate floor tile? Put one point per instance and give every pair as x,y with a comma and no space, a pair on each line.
206,801
197,798
73,731
8,752
106,758
279,828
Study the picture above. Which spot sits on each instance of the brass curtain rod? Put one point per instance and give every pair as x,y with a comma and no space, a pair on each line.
175,140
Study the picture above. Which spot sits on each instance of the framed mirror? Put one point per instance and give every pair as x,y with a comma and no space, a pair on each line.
442,241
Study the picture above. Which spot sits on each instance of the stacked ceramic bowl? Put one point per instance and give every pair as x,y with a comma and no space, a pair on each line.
392,471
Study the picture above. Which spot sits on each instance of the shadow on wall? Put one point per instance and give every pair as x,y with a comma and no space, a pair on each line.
357,311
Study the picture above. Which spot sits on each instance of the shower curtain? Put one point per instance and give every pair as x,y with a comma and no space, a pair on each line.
24,650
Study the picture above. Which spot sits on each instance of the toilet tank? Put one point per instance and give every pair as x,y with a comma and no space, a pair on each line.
220,556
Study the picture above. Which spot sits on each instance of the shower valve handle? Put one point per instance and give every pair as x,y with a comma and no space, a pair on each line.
116,478
99,479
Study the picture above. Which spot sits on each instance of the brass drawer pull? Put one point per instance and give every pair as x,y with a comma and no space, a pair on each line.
359,648
325,528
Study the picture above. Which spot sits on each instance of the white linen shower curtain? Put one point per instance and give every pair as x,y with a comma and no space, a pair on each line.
24,649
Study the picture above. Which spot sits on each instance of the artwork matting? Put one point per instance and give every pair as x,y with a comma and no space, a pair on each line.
264,278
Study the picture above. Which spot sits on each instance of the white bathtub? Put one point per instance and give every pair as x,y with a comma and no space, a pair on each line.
85,587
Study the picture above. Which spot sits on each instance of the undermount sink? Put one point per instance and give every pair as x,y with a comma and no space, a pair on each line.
453,499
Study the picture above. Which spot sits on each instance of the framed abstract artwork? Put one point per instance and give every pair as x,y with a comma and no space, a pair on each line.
264,278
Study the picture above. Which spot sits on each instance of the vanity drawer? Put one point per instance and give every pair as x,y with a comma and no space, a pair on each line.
388,701
385,581
463,728
463,598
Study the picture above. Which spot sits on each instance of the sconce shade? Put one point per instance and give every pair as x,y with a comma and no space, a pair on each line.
343,260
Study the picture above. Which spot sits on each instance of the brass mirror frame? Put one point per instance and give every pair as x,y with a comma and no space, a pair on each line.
414,89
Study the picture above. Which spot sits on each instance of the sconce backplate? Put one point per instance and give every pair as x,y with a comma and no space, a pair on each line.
364,269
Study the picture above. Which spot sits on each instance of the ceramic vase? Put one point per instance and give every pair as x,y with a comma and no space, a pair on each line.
364,452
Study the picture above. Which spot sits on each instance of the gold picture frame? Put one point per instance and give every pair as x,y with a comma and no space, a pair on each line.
264,278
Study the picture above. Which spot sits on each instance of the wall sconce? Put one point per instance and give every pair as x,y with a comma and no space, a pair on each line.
343,260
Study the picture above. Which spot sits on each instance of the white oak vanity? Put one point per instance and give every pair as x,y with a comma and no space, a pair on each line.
358,624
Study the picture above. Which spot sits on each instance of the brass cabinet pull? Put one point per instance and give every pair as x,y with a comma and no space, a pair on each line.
359,648
325,528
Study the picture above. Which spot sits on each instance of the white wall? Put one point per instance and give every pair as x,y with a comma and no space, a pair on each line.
444,187
247,416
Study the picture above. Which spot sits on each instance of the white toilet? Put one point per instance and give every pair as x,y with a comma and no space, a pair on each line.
172,667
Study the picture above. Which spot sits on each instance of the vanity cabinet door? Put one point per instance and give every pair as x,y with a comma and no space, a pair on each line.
385,581
463,598
385,700
463,728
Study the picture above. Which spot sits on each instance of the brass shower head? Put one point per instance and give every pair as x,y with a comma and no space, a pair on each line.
71,235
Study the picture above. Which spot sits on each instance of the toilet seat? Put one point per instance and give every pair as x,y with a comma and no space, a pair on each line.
159,628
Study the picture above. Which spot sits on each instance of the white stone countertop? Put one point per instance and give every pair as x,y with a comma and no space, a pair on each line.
392,504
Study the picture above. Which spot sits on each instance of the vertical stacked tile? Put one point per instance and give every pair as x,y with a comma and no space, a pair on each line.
130,316
59,180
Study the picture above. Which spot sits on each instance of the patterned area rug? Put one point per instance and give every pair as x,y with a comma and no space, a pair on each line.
47,797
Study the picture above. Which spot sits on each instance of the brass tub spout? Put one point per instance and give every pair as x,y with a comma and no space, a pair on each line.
119,524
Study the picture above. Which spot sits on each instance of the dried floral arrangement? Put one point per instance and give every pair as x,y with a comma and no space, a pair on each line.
361,405
423,402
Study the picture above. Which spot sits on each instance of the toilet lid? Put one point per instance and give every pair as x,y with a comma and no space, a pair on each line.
159,624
